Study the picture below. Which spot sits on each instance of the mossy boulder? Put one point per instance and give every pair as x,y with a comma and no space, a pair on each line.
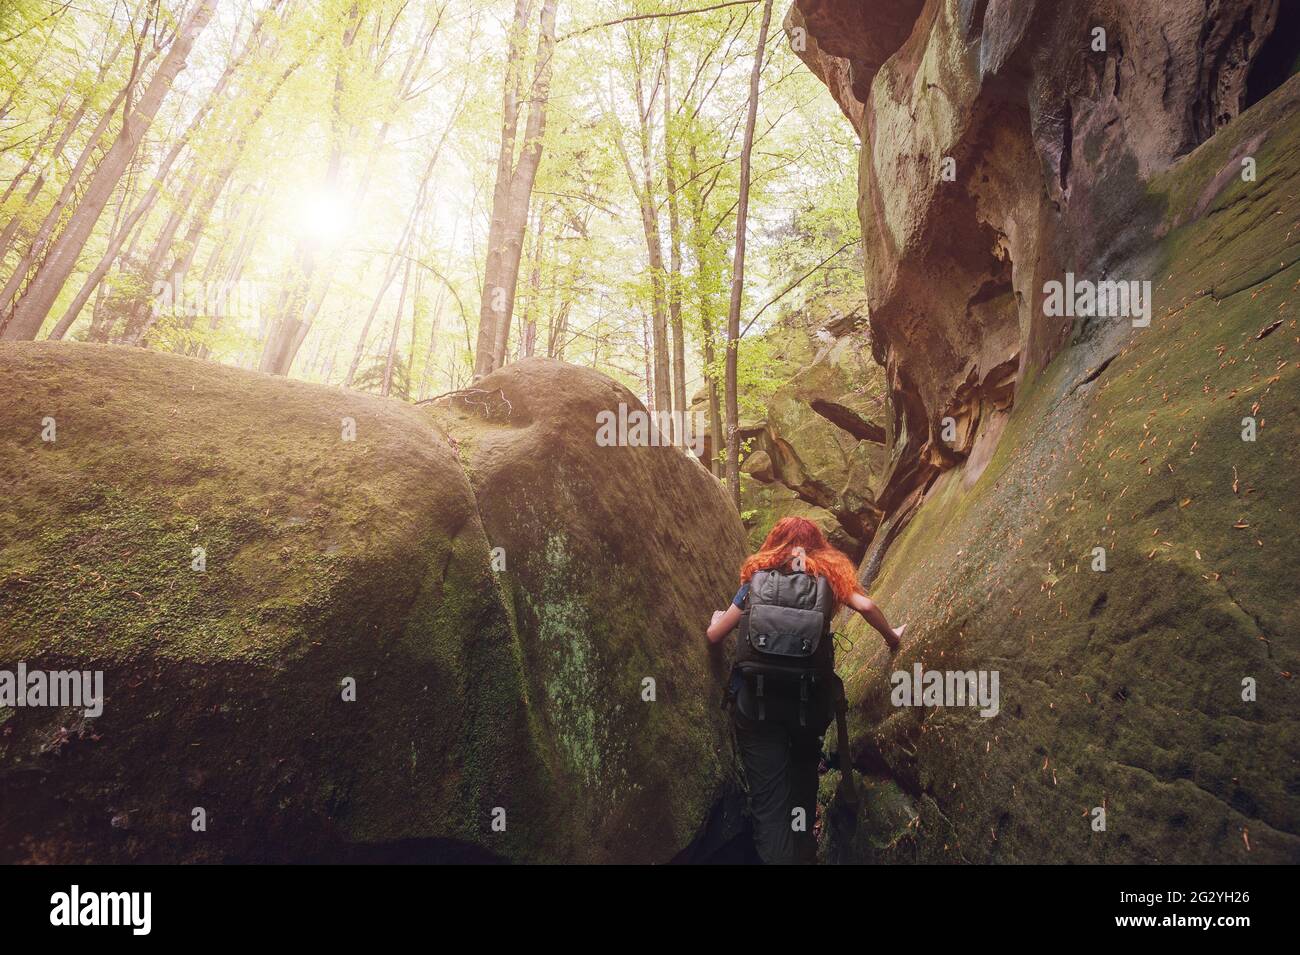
1162,688
368,562
820,447
614,556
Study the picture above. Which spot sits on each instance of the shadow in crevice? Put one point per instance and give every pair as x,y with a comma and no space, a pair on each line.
1279,58
726,838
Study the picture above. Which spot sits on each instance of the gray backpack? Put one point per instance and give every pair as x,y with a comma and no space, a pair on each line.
785,657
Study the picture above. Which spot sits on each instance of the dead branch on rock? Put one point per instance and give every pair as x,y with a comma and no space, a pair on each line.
464,394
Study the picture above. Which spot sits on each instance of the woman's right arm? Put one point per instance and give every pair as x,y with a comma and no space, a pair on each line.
873,615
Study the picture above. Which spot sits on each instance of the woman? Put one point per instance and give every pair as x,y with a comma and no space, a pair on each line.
783,688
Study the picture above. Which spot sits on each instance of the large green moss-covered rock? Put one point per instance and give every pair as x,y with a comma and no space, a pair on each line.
614,556
819,450
1124,689
478,685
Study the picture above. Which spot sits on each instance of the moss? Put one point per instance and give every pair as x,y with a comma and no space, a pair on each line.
594,540
104,520
564,635
1120,689
325,559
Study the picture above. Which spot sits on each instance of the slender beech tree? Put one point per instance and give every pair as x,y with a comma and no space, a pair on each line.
674,278
643,187
700,242
74,121
67,194
405,90
405,247
289,326
511,197
738,265
118,236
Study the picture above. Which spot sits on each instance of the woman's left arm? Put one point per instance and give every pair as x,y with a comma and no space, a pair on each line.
724,621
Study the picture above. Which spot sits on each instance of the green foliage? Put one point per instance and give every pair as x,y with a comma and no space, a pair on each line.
371,378
308,164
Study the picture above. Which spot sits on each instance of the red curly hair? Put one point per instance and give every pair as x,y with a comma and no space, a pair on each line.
793,535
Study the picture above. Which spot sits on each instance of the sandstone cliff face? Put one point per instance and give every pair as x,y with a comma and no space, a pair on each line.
1006,142
1122,689
484,678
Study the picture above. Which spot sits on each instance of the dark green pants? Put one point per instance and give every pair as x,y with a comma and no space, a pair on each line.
781,775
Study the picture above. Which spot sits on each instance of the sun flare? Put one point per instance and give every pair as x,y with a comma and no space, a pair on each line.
321,217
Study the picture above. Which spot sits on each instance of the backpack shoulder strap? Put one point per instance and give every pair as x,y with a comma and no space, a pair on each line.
762,587
826,600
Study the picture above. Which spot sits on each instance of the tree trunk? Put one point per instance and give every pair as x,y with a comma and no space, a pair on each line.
36,302
529,336
700,239
187,199
663,400
320,286
359,352
491,303
71,127
397,330
675,255
521,184
716,438
115,243
6,236
435,320
403,249
648,350
559,328
738,265
11,229
51,220
142,208
513,191
138,321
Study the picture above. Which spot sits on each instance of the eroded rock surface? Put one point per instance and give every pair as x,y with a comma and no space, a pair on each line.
1006,142
615,556
1161,689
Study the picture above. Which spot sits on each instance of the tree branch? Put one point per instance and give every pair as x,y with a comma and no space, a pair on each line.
656,16
792,285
